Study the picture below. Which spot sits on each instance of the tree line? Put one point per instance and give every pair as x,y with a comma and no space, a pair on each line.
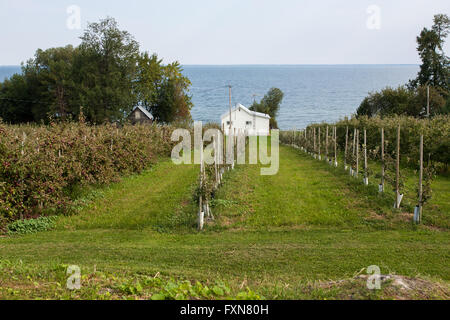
104,78
432,84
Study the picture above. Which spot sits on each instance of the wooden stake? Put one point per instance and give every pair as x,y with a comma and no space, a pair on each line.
335,146
314,146
224,142
200,200
216,173
346,146
319,142
326,145
397,170
420,179
357,153
365,155
354,142
383,169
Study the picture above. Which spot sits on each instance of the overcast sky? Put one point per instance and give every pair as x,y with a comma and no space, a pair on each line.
232,31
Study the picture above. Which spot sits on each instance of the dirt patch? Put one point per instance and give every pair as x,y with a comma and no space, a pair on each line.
391,287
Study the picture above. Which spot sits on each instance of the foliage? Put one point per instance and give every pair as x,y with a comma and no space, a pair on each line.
270,104
403,101
30,225
41,165
411,100
436,133
435,68
101,285
105,75
429,173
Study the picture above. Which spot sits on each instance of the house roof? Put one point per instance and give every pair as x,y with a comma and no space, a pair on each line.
250,112
144,111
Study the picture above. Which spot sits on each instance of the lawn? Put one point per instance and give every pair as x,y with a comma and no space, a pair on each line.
308,232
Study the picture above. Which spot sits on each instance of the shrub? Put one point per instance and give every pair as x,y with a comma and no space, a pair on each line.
41,165
31,225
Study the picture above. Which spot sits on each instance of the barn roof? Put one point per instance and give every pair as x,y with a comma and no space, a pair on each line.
144,111
250,112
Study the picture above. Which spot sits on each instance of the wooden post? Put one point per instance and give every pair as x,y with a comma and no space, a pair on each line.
200,200
357,153
216,173
319,143
335,147
366,182
420,179
346,146
235,146
326,145
383,168
354,142
397,170
224,143
314,139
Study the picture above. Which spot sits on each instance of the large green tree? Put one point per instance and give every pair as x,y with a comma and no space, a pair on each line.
105,70
270,104
106,76
163,89
435,67
50,74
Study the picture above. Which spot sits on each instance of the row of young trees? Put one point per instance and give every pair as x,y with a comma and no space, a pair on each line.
395,143
105,77
429,93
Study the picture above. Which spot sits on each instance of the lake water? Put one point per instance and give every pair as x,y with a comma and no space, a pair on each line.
312,93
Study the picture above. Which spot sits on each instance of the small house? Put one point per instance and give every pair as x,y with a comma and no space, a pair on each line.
252,122
140,115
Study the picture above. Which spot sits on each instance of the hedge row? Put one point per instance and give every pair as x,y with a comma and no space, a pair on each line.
40,166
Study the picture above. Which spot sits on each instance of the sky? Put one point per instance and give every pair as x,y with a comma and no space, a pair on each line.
232,31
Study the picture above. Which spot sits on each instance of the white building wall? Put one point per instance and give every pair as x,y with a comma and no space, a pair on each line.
241,119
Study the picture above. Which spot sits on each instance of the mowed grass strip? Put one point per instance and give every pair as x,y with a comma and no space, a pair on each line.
308,192
262,259
161,197
303,192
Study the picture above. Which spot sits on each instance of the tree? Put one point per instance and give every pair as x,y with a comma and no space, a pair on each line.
106,68
173,103
435,67
270,104
51,72
402,101
106,76
16,104
149,77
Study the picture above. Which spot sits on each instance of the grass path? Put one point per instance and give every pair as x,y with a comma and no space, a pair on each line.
160,198
275,234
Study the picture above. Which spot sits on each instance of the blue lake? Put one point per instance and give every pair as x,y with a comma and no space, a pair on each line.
312,93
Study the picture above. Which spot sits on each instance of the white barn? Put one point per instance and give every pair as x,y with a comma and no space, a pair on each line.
255,123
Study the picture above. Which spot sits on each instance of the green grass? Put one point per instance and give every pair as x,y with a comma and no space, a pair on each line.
285,236
160,198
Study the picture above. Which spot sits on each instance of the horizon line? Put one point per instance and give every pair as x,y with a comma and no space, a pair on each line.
277,64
